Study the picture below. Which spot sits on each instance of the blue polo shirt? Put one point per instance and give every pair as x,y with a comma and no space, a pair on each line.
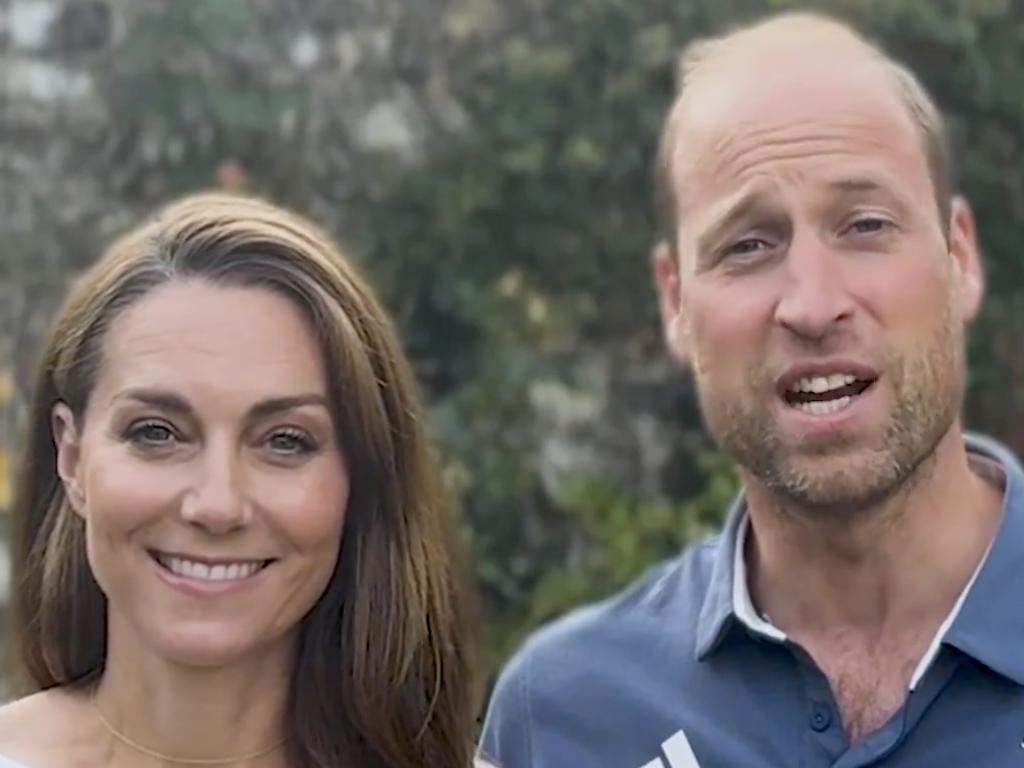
679,671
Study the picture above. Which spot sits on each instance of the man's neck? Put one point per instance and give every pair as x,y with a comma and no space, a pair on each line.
903,562
865,596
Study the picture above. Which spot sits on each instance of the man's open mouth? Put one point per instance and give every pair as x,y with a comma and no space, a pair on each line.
826,394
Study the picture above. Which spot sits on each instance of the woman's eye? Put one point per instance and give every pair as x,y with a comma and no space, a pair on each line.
150,434
290,442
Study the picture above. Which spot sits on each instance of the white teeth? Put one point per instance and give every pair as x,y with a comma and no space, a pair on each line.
820,384
825,407
837,380
191,569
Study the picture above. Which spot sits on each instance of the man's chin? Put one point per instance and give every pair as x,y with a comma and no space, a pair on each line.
834,480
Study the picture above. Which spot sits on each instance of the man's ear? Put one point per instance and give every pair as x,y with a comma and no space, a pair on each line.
67,440
665,268
966,253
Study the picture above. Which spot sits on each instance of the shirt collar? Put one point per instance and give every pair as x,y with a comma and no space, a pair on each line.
989,626
718,614
742,603
986,623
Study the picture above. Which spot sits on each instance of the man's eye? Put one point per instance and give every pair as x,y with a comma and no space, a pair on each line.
151,434
747,247
868,226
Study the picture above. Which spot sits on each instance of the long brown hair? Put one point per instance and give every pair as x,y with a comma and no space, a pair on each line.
385,666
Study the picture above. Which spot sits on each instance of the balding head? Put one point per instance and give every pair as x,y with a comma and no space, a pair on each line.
786,46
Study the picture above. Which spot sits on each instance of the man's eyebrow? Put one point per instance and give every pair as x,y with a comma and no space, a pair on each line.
170,401
858,184
753,201
743,205
853,186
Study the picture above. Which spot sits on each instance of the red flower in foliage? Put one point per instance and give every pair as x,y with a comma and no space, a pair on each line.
230,175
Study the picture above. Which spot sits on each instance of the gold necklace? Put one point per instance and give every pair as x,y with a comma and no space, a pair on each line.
182,760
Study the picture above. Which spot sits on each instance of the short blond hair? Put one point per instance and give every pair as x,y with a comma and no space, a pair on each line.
913,95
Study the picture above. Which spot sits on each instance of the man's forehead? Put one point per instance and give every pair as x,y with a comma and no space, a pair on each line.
738,122
796,65
802,82
794,149
796,36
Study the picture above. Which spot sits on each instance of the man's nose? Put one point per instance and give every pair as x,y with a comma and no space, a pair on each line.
815,298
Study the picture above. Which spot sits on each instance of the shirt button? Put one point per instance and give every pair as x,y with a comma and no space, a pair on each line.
821,718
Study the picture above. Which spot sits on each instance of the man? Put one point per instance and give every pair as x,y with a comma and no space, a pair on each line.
865,602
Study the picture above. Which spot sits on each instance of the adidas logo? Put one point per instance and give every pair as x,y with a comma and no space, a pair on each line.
677,754
676,751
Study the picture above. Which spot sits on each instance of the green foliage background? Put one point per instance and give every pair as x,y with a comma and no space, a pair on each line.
553,185
518,246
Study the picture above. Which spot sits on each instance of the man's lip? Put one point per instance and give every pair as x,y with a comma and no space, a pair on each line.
207,560
792,375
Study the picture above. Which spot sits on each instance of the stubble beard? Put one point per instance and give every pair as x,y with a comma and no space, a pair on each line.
845,477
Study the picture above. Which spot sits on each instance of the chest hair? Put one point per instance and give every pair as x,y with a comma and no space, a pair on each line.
869,681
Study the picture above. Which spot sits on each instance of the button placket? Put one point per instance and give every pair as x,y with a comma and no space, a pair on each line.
821,718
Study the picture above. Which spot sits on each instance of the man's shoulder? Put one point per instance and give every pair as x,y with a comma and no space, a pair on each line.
637,643
663,603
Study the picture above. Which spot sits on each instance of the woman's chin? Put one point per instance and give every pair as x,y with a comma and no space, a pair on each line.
209,646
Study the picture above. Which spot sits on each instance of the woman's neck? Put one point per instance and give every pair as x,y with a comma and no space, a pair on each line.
154,705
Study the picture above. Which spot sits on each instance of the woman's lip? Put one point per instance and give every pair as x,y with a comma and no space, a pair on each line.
156,554
196,587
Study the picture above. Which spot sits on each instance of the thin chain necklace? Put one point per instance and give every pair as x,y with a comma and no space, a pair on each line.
182,760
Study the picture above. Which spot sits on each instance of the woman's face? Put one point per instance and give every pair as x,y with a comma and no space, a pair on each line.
208,472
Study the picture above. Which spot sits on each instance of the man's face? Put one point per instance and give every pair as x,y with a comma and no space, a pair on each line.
815,293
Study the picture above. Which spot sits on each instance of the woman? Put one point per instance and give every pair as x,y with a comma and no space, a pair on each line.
233,547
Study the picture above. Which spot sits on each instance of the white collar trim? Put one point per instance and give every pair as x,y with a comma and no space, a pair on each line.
936,643
743,605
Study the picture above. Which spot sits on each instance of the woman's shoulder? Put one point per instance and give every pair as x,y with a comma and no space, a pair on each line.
31,728
19,726
25,712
